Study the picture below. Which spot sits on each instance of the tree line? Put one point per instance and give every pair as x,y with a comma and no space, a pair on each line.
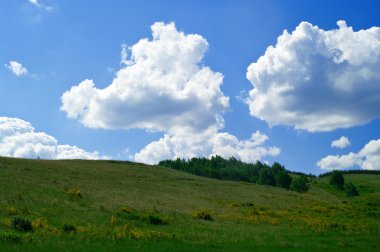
327,174
236,170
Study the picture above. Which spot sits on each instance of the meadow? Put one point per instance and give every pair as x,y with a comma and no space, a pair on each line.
76,205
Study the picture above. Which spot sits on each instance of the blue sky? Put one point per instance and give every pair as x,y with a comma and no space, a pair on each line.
60,44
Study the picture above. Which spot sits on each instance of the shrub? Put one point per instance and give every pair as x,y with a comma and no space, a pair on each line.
155,220
10,237
150,217
21,224
266,177
350,190
300,184
283,179
337,180
202,215
68,228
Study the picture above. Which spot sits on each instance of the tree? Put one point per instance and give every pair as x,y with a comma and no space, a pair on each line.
337,179
266,177
283,179
350,190
300,184
233,169
277,168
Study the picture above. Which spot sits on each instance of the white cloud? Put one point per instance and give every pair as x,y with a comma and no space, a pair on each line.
339,162
19,139
164,86
206,144
371,155
341,143
367,158
318,80
124,56
42,6
16,68
74,152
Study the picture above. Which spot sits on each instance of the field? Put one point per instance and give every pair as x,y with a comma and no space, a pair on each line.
122,206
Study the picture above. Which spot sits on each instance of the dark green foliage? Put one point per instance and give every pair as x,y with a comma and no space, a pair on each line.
155,220
10,237
21,224
351,190
337,180
277,167
301,173
68,228
300,184
151,217
283,179
233,169
266,177
350,172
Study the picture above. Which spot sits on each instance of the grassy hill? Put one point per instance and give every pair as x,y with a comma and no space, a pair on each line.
122,206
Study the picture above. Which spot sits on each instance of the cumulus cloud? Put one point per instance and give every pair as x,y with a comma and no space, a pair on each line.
341,143
19,139
163,86
16,68
41,6
318,80
206,144
371,155
339,162
367,158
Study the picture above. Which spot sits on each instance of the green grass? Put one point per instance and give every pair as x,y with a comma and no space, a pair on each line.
122,206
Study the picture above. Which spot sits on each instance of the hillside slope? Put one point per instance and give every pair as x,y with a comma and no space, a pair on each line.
108,205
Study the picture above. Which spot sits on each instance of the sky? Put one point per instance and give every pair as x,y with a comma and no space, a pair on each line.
297,82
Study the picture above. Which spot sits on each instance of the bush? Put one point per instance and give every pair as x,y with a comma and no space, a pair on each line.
21,224
337,180
69,228
266,177
155,220
283,179
300,184
350,190
202,215
150,217
10,237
